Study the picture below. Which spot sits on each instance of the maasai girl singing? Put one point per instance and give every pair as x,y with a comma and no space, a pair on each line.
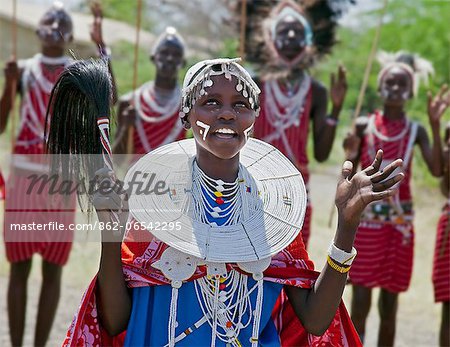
211,266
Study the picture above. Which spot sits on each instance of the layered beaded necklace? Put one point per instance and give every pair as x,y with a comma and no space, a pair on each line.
165,107
285,109
226,306
36,85
220,202
224,297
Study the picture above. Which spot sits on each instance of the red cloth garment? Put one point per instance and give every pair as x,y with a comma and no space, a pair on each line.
292,142
37,83
23,207
137,258
2,187
441,261
39,75
385,237
152,128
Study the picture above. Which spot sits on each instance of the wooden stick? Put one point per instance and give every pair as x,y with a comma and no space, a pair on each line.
362,91
373,51
14,85
135,71
242,29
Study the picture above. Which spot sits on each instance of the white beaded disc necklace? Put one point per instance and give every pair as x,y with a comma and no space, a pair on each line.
272,195
260,213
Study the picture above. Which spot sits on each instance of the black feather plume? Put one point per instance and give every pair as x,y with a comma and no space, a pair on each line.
80,96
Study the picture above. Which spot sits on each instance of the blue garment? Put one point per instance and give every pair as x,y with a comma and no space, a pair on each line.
149,321
148,325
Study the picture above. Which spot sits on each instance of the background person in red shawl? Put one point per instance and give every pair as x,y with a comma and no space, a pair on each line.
283,40
441,261
35,78
216,279
152,109
385,237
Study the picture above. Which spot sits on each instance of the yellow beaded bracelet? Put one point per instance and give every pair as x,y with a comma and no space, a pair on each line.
338,268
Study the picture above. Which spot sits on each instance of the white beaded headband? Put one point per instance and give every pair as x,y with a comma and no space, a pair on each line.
198,78
400,65
421,71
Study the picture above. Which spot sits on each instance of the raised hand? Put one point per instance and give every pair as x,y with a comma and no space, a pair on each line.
366,186
11,71
129,116
338,87
437,105
109,196
110,199
96,28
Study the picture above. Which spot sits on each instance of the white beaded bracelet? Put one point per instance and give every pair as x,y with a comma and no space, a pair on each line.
332,122
341,256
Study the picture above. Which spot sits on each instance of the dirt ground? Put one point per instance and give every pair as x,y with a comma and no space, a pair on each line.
418,316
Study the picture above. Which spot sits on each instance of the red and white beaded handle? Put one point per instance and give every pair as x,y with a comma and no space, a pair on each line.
103,126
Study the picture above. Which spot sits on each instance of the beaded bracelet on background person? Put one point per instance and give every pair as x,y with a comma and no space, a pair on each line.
339,259
331,121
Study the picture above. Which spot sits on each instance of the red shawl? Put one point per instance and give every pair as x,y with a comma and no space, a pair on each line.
290,267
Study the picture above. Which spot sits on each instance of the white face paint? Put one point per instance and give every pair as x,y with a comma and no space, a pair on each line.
384,93
205,127
247,131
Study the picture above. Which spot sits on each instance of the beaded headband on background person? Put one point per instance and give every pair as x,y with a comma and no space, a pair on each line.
415,66
169,34
198,79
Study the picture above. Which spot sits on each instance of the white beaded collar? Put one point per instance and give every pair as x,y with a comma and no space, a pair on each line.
273,204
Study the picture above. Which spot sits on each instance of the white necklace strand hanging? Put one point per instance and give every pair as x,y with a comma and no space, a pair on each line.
166,111
221,192
285,110
373,128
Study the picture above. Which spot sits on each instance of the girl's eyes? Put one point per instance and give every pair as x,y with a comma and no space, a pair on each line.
214,102
241,104
211,102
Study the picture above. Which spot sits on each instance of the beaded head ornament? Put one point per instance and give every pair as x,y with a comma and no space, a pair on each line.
279,13
318,17
198,79
58,11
